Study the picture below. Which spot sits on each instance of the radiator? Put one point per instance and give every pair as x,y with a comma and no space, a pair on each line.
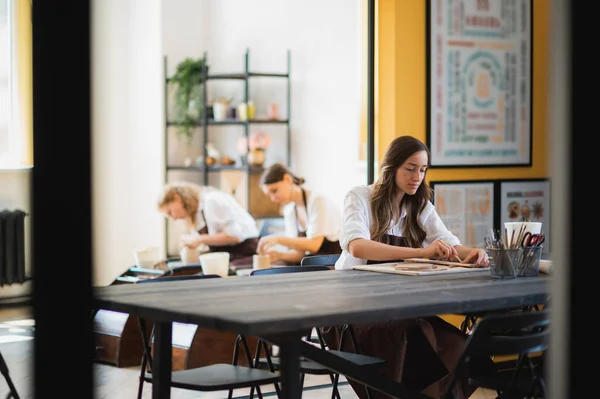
12,247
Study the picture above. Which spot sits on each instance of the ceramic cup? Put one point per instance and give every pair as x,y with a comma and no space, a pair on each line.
146,257
188,255
261,262
215,263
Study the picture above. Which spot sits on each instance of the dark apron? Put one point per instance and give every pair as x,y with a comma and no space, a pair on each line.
419,352
327,247
239,254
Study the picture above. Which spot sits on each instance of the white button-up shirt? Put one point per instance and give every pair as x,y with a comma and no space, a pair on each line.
225,215
358,219
324,218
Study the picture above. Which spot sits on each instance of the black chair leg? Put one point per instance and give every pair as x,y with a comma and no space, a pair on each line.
9,381
335,394
301,383
146,357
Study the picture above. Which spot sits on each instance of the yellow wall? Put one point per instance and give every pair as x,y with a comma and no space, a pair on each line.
24,78
401,90
401,87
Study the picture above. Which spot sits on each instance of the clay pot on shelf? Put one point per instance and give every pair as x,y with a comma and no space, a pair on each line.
256,157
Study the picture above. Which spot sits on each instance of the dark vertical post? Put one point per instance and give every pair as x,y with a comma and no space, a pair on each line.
289,107
290,367
204,116
166,144
371,92
247,124
162,361
61,198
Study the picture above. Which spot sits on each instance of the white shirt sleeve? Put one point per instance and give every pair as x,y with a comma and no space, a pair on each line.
356,219
224,214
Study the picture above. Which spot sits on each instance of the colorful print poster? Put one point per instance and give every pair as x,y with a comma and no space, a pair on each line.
467,210
526,200
479,94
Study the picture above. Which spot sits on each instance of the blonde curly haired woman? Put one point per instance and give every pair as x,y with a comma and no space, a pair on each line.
213,218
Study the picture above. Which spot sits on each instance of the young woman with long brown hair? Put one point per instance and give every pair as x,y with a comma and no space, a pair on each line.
394,219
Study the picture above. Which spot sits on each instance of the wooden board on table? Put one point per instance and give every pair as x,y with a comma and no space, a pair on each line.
416,268
441,262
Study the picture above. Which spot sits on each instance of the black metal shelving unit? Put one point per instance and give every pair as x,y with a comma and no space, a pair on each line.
204,122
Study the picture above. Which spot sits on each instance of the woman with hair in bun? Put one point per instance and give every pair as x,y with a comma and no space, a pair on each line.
312,221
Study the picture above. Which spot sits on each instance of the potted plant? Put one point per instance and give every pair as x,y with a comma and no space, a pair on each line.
187,81
254,148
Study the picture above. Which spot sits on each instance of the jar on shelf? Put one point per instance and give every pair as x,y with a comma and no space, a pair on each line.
256,157
242,111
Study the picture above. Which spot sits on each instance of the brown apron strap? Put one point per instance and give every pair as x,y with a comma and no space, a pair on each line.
390,239
327,247
244,249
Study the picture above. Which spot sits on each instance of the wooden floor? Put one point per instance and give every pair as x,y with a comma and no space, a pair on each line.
110,382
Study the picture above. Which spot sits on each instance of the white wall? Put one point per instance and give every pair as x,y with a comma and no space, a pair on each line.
129,39
127,133
15,193
323,38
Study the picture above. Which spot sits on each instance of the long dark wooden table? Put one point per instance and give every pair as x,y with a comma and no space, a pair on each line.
281,307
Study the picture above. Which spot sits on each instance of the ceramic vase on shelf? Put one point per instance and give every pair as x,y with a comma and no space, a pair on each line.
256,157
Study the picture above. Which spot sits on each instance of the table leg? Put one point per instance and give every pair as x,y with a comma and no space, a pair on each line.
289,348
162,361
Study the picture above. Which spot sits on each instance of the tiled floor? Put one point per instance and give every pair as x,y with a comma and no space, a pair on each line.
110,382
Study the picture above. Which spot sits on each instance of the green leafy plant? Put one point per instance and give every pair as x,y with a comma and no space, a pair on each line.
187,83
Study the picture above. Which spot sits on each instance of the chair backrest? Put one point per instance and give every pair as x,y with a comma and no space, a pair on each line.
289,269
166,279
509,333
323,260
271,226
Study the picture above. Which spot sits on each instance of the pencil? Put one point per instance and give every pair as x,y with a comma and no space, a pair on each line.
458,257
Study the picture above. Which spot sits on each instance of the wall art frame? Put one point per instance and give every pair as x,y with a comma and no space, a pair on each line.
479,82
469,208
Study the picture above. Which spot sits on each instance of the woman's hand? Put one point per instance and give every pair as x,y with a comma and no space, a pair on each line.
191,240
477,256
275,256
440,250
266,242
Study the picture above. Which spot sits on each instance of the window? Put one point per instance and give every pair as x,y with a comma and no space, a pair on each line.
6,83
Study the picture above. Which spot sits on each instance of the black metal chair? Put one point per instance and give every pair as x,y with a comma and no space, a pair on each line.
321,260
522,335
214,377
308,366
5,372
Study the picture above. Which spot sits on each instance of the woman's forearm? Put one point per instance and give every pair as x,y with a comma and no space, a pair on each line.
302,244
373,250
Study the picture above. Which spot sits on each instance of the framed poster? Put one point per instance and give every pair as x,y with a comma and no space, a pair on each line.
527,199
479,67
466,208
